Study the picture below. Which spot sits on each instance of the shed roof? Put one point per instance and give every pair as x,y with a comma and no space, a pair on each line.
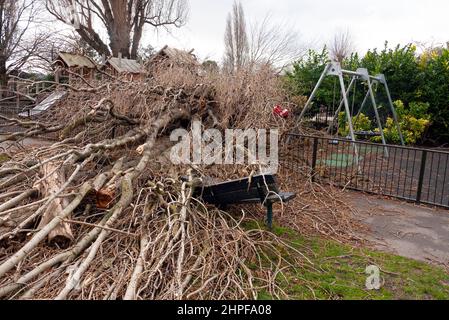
76,60
122,65
178,56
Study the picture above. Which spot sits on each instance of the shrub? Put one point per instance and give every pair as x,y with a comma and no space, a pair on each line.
435,90
360,123
411,78
305,74
413,122
401,69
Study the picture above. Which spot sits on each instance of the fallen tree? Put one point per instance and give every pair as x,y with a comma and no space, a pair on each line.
103,214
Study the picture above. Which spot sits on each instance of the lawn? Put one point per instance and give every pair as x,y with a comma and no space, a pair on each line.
338,272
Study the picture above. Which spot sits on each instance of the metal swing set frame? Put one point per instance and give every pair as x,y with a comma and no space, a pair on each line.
361,74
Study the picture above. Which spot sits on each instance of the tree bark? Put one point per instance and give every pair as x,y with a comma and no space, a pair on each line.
62,235
3,77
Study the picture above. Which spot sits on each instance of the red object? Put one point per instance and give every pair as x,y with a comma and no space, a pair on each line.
278,110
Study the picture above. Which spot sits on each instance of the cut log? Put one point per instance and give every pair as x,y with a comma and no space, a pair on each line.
105,197
54,179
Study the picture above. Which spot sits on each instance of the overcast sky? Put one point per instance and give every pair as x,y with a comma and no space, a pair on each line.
370,22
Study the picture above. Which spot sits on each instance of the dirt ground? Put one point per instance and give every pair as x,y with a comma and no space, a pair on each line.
406,229
25,143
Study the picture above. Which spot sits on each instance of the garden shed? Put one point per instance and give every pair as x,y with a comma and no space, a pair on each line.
170,57
118,66
66,64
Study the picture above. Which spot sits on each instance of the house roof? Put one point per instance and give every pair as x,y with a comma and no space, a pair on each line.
76,60
122,65
178,56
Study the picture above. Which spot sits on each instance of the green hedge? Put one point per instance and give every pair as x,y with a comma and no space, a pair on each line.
413,78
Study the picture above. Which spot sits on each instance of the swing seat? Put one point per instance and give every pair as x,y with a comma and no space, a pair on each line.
367,134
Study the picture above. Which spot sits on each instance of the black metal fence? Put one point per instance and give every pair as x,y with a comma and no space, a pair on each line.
419,175
320,117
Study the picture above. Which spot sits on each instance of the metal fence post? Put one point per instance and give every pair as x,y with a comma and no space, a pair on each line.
314,157
421,176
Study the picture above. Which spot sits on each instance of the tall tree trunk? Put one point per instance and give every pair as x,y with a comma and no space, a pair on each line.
120,28
3,76
120,42
138,30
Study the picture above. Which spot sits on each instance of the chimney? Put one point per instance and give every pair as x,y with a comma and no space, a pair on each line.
120,59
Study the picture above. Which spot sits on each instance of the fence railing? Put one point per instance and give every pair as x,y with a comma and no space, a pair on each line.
12,110
23,113
414,174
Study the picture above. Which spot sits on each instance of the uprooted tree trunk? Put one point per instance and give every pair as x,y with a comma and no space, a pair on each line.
53,179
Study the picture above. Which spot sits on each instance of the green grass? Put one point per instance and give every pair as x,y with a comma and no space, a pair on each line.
338,272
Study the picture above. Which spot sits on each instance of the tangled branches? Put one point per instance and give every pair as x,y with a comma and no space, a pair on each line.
102,214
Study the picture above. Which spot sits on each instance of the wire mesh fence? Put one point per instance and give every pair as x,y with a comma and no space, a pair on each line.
13,110
414,174
22,112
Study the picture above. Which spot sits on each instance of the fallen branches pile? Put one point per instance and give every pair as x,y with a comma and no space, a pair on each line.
320,211
102,213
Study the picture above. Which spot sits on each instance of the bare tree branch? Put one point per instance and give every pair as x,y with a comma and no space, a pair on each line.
269,45
123,20
275,45
341,46
17,47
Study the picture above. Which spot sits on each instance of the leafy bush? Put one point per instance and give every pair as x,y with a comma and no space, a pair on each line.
411,78
401,69
305,74
415,109
413,122
360,123
435,90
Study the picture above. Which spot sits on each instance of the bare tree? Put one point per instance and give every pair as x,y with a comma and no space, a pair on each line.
59,42
341,46
236,39
123,20
17,47
269,44
275,45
